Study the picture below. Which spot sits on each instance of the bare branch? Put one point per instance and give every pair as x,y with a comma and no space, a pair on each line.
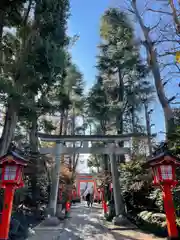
155,26
166,53
166,82
175,16
153,63
167,40
177,66
175,73
145,8
171,99
159,11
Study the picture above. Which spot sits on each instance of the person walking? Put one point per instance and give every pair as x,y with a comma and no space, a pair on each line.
91,199
88,197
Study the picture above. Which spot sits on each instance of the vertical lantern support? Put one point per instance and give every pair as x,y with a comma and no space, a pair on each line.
6,212
102,194
163,168
79,188
170,212
105,207
99,195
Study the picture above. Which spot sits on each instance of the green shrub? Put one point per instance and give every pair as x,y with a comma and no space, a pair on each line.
153,222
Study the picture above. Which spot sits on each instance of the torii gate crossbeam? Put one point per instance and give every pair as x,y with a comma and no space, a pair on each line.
72,138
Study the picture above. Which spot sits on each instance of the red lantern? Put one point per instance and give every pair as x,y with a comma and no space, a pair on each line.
111,187
12,165
164,174
68,205
164,171
12,171
105,207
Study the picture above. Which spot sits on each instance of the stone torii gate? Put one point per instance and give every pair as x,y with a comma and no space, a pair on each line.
110,148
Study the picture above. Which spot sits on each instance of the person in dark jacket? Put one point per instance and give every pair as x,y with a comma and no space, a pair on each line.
91,199
88,198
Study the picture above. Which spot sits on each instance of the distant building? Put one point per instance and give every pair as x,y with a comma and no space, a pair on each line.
82,166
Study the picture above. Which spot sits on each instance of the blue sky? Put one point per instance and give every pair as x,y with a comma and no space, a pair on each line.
85,22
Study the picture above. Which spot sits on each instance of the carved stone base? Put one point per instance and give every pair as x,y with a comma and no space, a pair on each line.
51,221
121,220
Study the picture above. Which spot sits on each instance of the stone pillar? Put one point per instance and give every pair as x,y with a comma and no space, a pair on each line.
55,181
118,201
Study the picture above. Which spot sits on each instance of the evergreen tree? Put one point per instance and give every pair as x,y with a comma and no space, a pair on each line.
40,60
116,97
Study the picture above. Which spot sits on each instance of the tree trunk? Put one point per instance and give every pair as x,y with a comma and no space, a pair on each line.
121,99
133,130
133,119
73,133
61,122
33,134
52,200
75,163
12,108
59,159
148,128
1,34
97,163
118,200
106,190
175,16
65,125
34,150
55,181
168,113
9,127
119,120
118,195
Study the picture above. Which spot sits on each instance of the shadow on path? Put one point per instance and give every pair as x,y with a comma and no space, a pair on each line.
122,228
84,224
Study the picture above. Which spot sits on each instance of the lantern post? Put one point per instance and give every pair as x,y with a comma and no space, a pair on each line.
99,195
111,187
11,178
60,193
104,203
102,195
74,193
164,173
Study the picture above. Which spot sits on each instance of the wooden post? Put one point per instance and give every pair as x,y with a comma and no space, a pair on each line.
170,212
7,210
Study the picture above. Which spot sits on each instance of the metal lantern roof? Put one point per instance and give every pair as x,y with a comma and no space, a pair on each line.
162,157
14,157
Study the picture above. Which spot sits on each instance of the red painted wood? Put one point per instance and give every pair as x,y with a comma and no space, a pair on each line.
170,211
7,210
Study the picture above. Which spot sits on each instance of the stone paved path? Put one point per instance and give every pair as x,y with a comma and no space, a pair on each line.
85,224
